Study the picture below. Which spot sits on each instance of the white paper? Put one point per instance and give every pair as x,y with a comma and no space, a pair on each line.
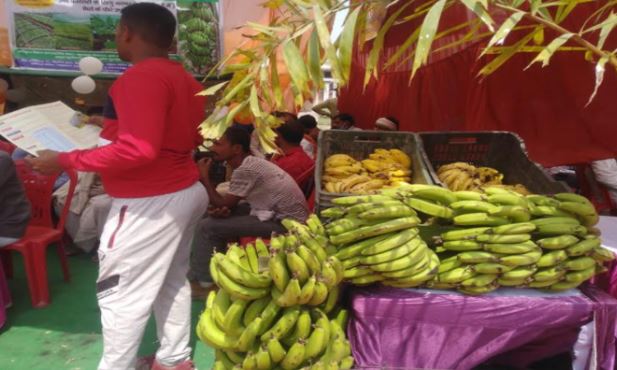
47,126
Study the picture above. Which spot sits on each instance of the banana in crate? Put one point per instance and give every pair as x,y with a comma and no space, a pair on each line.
461,176
344,174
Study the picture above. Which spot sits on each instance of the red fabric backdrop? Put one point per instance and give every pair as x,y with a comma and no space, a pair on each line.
545,106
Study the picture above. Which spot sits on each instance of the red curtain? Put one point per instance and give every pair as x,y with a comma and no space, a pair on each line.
545,106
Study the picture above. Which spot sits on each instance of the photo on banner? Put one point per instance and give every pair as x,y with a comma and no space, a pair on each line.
56,34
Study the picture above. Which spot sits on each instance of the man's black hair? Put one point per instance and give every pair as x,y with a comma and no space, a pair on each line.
154,23
346,118
309,122
239,136
292,132
394,120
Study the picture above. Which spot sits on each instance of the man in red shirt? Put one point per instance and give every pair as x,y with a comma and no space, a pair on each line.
149,172
293,159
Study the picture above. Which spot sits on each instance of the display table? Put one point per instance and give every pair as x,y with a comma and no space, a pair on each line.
421,329
608,281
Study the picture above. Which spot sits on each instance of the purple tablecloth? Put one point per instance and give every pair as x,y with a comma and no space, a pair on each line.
422,330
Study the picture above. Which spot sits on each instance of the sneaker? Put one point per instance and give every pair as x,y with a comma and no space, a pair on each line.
200,290
145,363
184,365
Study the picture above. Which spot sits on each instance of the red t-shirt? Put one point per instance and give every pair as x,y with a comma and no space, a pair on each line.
295,162
155,113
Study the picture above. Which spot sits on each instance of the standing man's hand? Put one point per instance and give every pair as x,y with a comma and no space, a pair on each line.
96,120
46,163
204,166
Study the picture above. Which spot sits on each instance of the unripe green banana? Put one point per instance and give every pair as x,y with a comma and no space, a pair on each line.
346,363
310,259
472,206
234,357
572,197
583,247
308,289
462,234
262,357
389,212
362,207
250,362
449,263
320,293
302,329
430,208
462,245
367,279
517,228
333,212
403,262
503,238
291,295
491,268
238,291
552,258
219,365
558,242
341,318
479,280
468,195
580,263
435,284
563,285
220,356
339,349
456,275
332,299
295,356
353,250
278,270
355,199
284,325
543,284
220,305
314,224
492,190
246,340
351,262
329,275
251,254
549,274
393,241
297,266
518,248
479,219
542,200
242,276
524,259
559,220
602,254
514,213
315,343
344,225
277,243
261,248
512,282
276,350
522,272
393,254
412,270
547,211
508,200
374,230
268,316
212,334
436,194
338,268
477,257
561,229
232,322
317,244
473,290
357,272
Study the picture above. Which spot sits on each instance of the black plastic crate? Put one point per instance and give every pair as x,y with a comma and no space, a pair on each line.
501,150
359,144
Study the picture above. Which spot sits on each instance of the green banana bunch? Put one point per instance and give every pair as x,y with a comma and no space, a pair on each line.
430,208
479,219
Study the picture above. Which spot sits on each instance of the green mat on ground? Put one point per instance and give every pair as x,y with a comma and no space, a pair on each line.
67,333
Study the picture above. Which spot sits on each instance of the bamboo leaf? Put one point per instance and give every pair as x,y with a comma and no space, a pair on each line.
373,58
212,89
505,55
233,112
600,69
427,34
564,10
276,83
295,65
479,8
504,30
314,61
607,28
346,43
545,55
324,38
254,102
236,89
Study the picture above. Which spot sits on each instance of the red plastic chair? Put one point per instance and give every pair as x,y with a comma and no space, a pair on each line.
5,146
41,232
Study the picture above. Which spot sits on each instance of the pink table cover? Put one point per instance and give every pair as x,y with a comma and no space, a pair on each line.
411,329
5,297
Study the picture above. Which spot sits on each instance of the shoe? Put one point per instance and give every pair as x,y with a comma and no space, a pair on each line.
145,363
150,363
200,290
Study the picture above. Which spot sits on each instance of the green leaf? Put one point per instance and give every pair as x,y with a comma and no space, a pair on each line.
427,34
324,38
506,54
479,8
254,102
545,55
608,26
600,69
212,89
504,30
276,83
295,65
233,112
314,61
236,89
346,43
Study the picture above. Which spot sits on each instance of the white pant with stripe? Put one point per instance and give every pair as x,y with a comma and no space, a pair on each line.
144,258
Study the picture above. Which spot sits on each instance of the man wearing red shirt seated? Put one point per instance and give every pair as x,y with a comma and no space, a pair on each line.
294,159
148,170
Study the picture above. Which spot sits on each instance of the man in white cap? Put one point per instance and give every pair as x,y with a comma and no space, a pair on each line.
386,124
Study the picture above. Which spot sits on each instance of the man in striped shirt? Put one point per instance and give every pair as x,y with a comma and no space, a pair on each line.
261,194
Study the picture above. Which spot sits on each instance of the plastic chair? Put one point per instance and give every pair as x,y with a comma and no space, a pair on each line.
593,190
41,232
5,146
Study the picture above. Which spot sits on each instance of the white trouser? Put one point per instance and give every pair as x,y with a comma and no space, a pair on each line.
143,262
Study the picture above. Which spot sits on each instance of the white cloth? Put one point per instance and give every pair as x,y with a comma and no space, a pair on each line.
606,174
308,148
143,262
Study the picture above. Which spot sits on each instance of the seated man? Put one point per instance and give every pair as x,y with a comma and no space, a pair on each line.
14,206
311,134
270,192
293,159
344,121
386,124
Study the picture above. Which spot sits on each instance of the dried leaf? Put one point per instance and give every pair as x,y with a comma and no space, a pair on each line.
427,34
212,89
545,55
346,43
600,69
